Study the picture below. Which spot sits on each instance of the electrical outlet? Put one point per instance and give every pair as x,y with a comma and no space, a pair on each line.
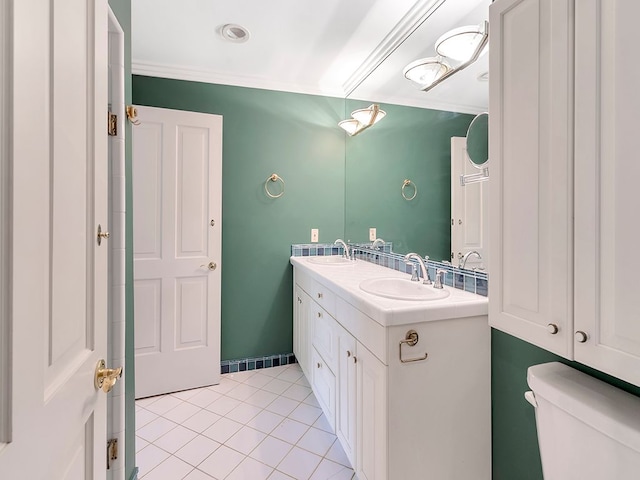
372,234
314,235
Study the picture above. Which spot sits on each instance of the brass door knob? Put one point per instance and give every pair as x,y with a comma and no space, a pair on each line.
106,378
102,235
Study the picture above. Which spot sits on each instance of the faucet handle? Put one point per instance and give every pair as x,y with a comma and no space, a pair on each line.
414,271
439,278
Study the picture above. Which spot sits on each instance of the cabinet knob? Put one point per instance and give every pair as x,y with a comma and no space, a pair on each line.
348,353
581,337
319,295
299,300
355,359
552,328
319,314
319,365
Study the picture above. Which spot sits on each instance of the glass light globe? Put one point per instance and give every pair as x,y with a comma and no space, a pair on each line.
351,126
460,43
425,71
367,116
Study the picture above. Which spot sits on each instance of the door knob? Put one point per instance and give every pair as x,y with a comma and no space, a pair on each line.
102,235
211,266
106,378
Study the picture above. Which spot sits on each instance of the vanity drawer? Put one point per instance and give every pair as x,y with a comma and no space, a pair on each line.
324,335
368,332
324,387
318,292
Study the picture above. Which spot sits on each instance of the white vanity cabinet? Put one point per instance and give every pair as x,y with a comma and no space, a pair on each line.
564,224
301,337
428,418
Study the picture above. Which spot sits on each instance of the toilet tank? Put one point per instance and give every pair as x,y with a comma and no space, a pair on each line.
587,429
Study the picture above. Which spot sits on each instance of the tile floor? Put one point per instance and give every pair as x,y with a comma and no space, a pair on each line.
255,425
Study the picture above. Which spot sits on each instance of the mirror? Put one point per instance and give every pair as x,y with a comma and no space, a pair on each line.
413,141
478,141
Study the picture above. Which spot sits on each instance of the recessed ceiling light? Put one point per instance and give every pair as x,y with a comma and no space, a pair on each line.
234,33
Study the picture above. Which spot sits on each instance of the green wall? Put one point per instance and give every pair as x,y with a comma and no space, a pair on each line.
265,132
409,143
515,443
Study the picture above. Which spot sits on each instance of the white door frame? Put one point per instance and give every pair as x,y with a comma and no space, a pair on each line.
117,208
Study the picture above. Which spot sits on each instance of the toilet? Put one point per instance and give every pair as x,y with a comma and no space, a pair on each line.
587,429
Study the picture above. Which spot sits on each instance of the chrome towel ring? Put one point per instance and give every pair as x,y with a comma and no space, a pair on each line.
273,178
408,183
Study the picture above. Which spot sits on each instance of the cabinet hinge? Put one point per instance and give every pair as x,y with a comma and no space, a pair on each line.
112,451
112,124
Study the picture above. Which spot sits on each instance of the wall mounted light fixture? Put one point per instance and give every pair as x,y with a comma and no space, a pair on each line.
362,119
463,45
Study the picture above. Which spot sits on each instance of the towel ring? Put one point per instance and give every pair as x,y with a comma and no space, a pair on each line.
273,178
406,184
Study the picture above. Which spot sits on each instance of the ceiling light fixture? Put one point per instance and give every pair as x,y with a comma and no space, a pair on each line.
463,44
362,119
234,33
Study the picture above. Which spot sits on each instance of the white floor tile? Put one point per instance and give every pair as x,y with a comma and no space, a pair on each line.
265,421
297,392
258,380
241,377
261,398
197,450
175,439
242,392
224,386
336,454
155,429
290,431
306,414
245,440
186,394
222,430
201,421
276,475
149,458
221,462
323,424
273,371
290,375
243,413
198,475
140,443
317,441
282,406
303,381
164,404
250,469
276,386
299,463
171,469
145,402
311,400
271,451
143,417
328,470
204,397
182,412
223,405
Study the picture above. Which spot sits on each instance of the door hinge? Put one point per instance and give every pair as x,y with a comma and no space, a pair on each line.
112,124
112,451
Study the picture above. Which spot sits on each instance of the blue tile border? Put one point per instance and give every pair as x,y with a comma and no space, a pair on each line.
256,363
472,281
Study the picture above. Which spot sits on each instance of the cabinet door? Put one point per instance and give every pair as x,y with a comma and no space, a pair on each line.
323,382
346,404
371,407
607,170
301,334
531,188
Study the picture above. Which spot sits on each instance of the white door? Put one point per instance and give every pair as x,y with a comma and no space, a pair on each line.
54,313
469,208
177,225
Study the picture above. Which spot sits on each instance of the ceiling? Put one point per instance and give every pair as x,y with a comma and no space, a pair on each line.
354,48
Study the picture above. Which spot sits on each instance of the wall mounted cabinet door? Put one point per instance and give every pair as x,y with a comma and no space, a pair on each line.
531,186
607,224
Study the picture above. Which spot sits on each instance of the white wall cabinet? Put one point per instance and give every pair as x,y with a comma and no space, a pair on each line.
399,420
563,118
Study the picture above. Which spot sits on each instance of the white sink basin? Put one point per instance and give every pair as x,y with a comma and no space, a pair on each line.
402,289
330,260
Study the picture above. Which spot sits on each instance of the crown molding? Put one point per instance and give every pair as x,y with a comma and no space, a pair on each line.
176,72
420,11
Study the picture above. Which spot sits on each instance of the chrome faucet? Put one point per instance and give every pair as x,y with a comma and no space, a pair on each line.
376,242
439,278
346,254
425,273
463,259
